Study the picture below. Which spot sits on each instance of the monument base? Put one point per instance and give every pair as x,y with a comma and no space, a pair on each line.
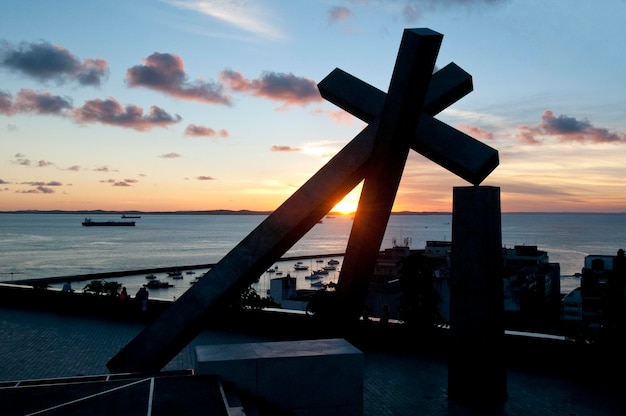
309,378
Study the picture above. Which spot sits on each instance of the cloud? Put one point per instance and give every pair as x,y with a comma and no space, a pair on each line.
475,131
193,130
205,178
44,164
111,112
39,183
567,129
37,102
339,13
288,88
414,10
37,190
246,16
170,155
166,73
74,168
20,159
46,62
121,183
108,111
40,187
6,103
284,149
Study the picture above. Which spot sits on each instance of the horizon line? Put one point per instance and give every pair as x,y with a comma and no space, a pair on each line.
253,212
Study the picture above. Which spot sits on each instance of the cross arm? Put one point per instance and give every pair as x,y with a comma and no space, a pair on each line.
455,151
447,86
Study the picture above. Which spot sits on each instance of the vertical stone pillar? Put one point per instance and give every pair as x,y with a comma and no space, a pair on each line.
476,370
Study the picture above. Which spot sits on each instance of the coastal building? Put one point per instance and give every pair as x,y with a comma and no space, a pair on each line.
531,281
532,289
599,301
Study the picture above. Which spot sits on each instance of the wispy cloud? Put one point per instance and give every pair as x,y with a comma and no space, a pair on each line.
339,13
246,16
284,149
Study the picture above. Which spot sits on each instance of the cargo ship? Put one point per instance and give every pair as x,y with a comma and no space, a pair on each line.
91,223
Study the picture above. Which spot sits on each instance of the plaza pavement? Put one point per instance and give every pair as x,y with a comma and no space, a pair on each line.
39,345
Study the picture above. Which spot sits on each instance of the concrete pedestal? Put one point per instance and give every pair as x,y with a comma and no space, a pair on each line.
314,377
476,371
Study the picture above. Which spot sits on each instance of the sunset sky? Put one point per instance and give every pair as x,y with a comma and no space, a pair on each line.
211,104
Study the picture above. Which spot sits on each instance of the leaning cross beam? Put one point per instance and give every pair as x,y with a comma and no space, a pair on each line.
162,339
404,117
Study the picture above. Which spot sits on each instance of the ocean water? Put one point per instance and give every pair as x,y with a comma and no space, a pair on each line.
50,245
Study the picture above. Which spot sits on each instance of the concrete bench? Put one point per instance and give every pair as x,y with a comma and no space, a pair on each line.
310,378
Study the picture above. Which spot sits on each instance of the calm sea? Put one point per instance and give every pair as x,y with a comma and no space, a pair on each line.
50,245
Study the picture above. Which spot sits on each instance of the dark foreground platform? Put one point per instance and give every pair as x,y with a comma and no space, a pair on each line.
50,345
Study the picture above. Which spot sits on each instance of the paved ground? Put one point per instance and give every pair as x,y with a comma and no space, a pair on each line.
37,345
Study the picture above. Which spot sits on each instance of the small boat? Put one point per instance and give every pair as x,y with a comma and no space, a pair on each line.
131,216
320,271
319,261
313,277
330,267
195,280
91,223
157,284
176,274
333,262
300,266
150,276
318,283
190,272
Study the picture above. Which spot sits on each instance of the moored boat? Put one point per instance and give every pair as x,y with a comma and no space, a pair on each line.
300,266
157,284
176,274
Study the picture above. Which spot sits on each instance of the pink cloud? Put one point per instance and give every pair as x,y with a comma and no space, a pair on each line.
567,129
339,13
287,88
193,130
111,112
166,73
476,132
284,149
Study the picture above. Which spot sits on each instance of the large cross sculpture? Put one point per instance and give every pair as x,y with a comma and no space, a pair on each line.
397,121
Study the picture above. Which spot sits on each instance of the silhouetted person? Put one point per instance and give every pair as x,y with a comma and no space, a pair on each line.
123,294
67,287
142,298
